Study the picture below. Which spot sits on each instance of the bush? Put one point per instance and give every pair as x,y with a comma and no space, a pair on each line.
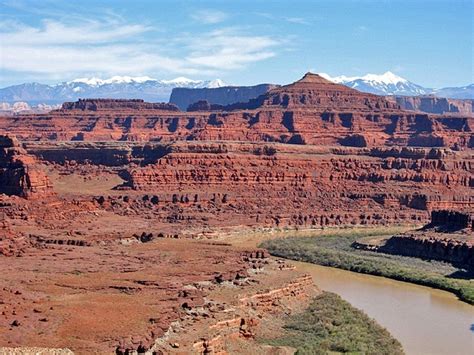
331,324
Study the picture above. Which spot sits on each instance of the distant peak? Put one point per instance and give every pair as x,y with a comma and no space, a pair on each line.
217,83
313,78
113,80
180,80
386,78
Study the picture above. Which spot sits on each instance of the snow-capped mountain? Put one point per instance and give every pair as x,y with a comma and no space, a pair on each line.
384,84
123,87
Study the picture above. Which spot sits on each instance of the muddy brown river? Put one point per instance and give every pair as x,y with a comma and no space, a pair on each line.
424,320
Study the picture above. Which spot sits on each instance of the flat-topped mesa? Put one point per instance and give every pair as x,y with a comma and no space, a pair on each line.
113,104
314,92
19,174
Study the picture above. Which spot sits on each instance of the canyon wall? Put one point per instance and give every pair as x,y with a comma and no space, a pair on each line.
451,250
116,104
309,154
294,126
191,184
19,173
447,237
311,111
452,220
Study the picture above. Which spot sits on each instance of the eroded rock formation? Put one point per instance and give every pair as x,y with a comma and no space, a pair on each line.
449,237
311,111
116,104
19,173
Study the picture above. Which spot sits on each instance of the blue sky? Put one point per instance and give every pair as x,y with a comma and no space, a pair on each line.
239,41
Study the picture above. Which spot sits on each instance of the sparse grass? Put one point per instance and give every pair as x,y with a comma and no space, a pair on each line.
331,325
334,250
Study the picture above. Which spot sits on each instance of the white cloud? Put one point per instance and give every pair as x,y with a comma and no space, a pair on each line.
291,19
228,49
297,20
101,47
209,16
53,32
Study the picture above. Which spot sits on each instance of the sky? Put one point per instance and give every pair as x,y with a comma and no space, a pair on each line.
242,42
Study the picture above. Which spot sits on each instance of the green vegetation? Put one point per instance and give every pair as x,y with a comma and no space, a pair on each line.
331,325
335,250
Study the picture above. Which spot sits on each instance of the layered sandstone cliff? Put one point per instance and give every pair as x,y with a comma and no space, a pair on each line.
202,183
117,104
311,111
19,173
448,237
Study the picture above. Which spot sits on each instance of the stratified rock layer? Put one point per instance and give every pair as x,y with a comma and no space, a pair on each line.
311,111
19,173
116,104
449,237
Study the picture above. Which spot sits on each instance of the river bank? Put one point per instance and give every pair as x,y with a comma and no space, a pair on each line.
334,250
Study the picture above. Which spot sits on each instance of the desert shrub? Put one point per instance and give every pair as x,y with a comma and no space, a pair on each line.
330,324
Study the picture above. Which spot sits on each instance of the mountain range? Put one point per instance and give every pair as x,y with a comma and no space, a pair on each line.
155,90
116,87
392,84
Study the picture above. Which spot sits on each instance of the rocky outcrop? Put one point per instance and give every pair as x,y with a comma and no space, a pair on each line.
252,312
433,104
269,301
238,327
449,237
452,220
19,173
448,249
184,97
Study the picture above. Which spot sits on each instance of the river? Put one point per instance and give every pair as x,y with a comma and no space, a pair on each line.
424,320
